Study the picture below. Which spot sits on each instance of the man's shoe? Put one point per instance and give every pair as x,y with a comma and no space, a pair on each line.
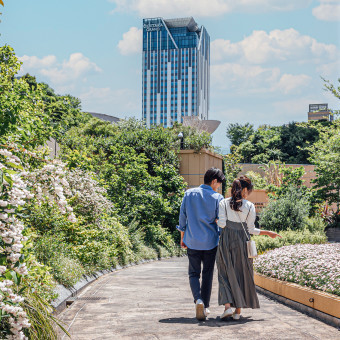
206,312
200,310
228,312
236,316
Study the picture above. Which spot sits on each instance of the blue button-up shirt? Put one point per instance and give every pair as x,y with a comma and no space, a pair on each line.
198,213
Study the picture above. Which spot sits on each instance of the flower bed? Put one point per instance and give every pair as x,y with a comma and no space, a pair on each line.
311,265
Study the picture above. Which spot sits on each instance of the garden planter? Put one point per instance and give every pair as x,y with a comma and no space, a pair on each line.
333,234
324,302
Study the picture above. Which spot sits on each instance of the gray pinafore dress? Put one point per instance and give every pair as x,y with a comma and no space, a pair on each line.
235,269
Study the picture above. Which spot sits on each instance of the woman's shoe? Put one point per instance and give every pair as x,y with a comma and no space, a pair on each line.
228,312
236,316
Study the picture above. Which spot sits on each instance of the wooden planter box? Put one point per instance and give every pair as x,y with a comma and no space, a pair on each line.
193,166
333,234
324,302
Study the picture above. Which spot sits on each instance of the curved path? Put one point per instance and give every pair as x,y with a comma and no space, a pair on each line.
153,301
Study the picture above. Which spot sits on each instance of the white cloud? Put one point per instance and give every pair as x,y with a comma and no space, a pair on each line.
241,79
76,67
131,42
328,10
329,70
33,62
289,83
123,102
278,45
155,8
204,8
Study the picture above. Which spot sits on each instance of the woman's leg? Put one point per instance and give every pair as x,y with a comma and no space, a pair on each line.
226,306
238,311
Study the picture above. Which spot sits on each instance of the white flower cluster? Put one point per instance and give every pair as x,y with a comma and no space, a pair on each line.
311,265
13,195
90,197
50,185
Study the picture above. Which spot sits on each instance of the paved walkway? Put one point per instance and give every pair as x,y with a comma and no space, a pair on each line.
153,301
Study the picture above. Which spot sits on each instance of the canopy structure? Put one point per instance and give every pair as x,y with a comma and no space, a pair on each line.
209,126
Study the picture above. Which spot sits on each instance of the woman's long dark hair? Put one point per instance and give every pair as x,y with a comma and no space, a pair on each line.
236,191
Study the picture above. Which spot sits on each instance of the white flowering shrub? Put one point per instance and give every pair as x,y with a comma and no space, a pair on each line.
49,185
17,188
13,196
312,265
89,198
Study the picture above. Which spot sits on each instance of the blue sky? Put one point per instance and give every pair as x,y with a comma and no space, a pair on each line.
267,56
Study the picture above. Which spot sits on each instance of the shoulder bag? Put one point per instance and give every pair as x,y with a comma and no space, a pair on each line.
251,245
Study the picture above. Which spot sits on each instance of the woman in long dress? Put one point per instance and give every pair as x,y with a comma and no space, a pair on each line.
235,269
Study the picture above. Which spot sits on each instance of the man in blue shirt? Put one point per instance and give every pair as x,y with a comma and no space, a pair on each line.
200,234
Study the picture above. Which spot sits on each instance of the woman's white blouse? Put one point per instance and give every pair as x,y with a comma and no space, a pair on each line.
225,212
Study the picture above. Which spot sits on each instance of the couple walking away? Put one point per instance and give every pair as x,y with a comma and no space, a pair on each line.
203,211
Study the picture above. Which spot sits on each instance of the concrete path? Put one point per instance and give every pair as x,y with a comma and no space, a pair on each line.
153,301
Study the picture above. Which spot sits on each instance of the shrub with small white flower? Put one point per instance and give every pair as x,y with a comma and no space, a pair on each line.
13,195
17,187
312,265
89,198
49,185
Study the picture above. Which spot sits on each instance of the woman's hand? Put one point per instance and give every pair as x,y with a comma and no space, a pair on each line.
272,234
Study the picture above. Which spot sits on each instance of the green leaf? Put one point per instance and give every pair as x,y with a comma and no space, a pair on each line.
14,277
8,179
1,181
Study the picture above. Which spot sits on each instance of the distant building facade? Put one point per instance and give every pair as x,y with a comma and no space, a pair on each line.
319,112
176,71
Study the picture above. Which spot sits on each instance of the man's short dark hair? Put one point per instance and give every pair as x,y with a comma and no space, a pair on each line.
213,173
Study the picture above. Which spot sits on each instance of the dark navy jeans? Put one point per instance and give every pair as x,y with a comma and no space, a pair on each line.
196,259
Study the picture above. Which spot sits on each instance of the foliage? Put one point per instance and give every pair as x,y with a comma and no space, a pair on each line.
289,211
325,154
84,247
193,139
257,180
238,133
43,322
288,177
231,166
315,266
65,268
13,196
64,111
286,143
289,237
137,166
22,115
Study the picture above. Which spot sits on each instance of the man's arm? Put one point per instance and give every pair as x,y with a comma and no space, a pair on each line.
182,221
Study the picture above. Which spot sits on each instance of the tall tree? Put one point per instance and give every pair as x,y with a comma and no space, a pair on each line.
238,133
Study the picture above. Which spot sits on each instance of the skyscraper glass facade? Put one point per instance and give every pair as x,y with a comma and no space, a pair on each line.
176,70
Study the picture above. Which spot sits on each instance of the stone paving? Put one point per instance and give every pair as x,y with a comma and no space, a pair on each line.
153,301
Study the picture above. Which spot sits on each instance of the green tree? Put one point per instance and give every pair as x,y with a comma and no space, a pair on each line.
325,155
238,133
138,166
231,167
287,143
22,116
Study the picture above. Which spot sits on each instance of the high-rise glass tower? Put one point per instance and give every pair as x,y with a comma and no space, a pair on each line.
176,70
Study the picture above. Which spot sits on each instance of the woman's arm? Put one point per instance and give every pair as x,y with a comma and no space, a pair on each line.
269,233
222,217
251,221
251,225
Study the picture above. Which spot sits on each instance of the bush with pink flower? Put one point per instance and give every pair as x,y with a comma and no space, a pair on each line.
311,265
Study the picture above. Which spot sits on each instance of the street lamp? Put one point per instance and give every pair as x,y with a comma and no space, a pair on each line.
181,138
